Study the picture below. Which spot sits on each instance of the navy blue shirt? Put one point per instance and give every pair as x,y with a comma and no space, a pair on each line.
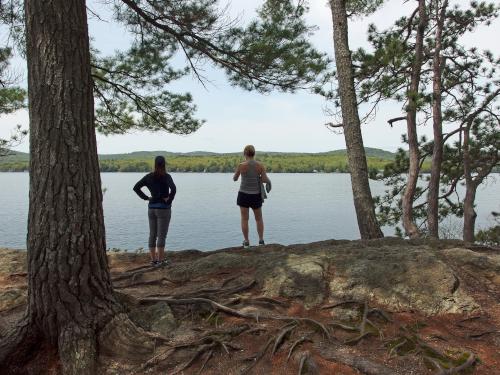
160,187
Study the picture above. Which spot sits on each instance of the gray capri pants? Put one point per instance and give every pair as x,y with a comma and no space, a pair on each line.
159,220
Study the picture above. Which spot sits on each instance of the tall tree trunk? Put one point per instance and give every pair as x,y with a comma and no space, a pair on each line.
409,225
470,191
469,214
70,297
437,118
363,202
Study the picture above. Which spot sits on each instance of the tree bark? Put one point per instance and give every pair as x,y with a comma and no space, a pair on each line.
470,190
469,214
409,225
437,118
363,201
70,297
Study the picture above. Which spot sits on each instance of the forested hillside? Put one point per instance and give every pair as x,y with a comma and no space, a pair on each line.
200,161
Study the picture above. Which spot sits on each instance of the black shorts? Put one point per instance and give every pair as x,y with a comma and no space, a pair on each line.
249,200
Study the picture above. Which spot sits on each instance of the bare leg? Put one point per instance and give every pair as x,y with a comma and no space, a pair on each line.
161,253
152,252
260,222
244,222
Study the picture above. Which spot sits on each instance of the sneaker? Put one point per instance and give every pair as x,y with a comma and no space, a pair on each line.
246,245
163,263
261,243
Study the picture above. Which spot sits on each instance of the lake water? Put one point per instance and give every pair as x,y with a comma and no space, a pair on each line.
301,208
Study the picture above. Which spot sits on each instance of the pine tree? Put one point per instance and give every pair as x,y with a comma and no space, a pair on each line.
351,124
450,76
71,303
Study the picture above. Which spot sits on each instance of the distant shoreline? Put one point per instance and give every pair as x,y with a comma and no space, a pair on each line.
204,162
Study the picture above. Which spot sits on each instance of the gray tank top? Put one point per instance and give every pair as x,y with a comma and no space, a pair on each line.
250,179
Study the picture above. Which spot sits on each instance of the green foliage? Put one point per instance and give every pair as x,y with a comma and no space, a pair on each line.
490,236
208,162
132,87
12,98
363,7
470,100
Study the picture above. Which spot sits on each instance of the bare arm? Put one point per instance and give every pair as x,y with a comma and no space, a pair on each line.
263,174
236,173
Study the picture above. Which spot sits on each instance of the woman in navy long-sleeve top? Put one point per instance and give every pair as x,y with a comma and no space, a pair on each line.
162,190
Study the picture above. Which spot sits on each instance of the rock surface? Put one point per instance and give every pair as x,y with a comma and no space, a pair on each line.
410,290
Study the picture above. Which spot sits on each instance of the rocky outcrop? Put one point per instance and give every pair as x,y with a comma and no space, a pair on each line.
399,275
335,306
423,276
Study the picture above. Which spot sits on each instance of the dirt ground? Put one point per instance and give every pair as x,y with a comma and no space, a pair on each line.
228,319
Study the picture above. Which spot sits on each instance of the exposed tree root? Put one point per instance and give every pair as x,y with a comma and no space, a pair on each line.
343,326
162,356
257,357
337,304
481,334
213,304
123,339
133,274
142,283
309,321
459,323
201,350
256,330
17,345
302,362
412,343
240,314
208,292
471,360
396,347
364,323
362,364
296,344
218,339
281,337
227,281
266,302
207,358
306,363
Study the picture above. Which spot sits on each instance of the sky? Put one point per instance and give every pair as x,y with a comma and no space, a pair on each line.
272,122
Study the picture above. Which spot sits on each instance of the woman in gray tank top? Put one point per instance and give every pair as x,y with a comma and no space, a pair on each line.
253,174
